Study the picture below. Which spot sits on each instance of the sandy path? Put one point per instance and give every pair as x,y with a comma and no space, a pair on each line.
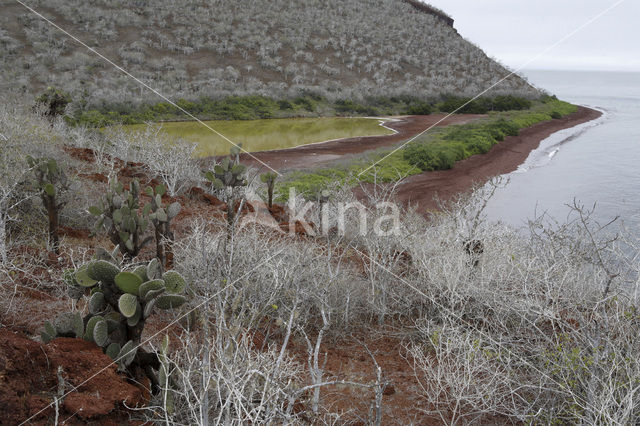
505,157
314,155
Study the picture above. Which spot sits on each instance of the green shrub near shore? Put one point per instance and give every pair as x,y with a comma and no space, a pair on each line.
484,105
255,107
438,149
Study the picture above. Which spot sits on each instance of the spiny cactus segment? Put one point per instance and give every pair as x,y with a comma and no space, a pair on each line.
227,174
119,303
119,214
51,182
160,216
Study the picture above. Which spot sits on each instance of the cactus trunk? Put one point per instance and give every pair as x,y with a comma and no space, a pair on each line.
160,253
134,333
54,220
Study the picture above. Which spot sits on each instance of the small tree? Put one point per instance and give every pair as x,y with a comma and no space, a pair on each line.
12,172
54,102
270,179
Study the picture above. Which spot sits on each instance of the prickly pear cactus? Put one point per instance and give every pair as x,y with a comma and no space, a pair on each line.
118,213
119,303
227,174
270,180
160,216
51,182
226,177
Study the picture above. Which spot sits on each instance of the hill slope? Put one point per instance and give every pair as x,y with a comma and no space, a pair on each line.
186,49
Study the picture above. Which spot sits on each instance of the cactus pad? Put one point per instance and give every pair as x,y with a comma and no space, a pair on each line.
153,285
101,270
173,210
49,329
153,269
126,354
82,278
170,301
113,350
174,282
100,333
128,282
148,309
128,305
141,271
91,325
97,303
136,317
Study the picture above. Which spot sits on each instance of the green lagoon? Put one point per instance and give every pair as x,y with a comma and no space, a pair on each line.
264,135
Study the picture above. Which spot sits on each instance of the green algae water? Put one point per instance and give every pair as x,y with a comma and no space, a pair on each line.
264,135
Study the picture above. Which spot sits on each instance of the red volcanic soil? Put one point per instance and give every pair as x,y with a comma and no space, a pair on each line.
504,157
314,155
32,374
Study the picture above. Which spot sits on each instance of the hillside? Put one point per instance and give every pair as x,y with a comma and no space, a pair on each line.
336,48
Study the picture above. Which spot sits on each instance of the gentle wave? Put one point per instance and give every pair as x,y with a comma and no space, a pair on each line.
550,146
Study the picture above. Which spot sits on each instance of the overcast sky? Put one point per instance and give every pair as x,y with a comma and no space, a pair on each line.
515,31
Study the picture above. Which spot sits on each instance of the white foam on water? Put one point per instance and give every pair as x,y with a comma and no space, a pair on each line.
550,146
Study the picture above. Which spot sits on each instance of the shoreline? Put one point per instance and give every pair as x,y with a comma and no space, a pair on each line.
505,157
321,153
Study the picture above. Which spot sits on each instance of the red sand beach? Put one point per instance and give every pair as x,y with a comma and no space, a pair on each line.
420,189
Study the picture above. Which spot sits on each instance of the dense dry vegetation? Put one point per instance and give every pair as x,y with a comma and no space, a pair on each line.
445,318
337,49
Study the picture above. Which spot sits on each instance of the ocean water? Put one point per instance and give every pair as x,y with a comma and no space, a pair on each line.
597,162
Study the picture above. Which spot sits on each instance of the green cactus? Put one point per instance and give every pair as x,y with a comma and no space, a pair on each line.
97,303
270,180
101,270
119,214
128,305
148,308
154,270
119,305
133,320
51,182
161,216
113,350
226,177
126,355
228,174
128,282
46,338
151,289
170,301
54,101
174,282
50,329
100,333
141,271
49,333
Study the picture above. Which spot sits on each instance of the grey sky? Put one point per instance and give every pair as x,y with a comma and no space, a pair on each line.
515,31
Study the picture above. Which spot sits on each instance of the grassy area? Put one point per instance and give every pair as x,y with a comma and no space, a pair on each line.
262,135
438,149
